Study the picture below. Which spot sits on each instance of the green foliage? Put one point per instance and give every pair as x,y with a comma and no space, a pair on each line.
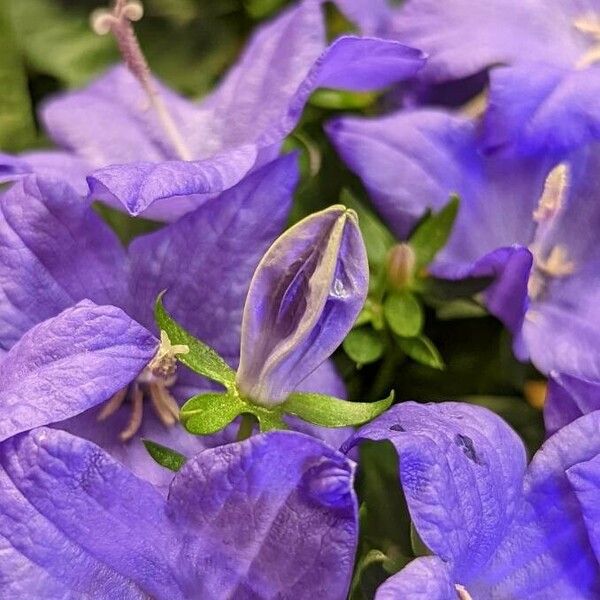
327,411
165,457
422,350
432,233
201,358
403,313
364,345
17,129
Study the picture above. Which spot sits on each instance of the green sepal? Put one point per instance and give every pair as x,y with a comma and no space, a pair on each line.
460,309
208,413
432,233
165,457
378,238
328,411
201,358
342,100
363,345
422,350
404,313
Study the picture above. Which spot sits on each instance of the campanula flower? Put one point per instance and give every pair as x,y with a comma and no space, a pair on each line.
272,517
495,529
526,223
156,153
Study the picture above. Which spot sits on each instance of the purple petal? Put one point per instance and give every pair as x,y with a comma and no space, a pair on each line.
560,339
74,523
506,297
221,243
426,578
461,469
412,161
567,399
304,297
275,514
547,552
542,108
227,529
463,37
54,251
177,187
69,363
50,165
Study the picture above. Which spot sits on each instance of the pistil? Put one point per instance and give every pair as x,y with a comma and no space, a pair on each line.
118,22
462,592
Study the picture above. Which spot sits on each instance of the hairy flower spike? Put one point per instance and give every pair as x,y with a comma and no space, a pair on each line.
118,22
462,592
589,25
164,362
553,196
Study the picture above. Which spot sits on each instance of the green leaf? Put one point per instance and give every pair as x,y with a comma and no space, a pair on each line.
365,582
164,456
446,289
363,345
378,238
460,309
201,358
418,546
403,313
327,411
342,100
58,41
17,129
422,350
431,235
208,413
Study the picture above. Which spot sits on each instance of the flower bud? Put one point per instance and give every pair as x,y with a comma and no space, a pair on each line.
304,298
401,263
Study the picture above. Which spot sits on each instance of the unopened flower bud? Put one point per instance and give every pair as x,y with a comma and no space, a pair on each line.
401,265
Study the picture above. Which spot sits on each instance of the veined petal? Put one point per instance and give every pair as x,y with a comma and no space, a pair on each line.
69,363
221,243
54,251
304,297
461,469
426,578
273,516
537,107
569,398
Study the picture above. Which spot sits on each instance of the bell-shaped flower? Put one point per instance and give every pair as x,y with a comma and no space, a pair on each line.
272,517
303,299
525,223
495,528
55,252
542,58
154,152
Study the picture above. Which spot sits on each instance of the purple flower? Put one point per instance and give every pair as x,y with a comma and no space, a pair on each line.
304,298
495,530
529,227
134,153
542,57
55,252
274,516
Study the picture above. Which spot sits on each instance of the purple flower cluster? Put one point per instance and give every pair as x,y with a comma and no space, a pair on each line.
263,505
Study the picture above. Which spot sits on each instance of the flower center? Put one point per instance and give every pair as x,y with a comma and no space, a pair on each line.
118,22
589,25
554,262
152,383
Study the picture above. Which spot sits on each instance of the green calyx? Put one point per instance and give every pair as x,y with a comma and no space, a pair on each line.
207,413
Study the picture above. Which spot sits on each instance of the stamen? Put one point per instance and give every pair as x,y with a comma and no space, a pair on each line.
557,264
589,25
477,106
137,412
462,592
118,21
164,404
113,405
553,196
